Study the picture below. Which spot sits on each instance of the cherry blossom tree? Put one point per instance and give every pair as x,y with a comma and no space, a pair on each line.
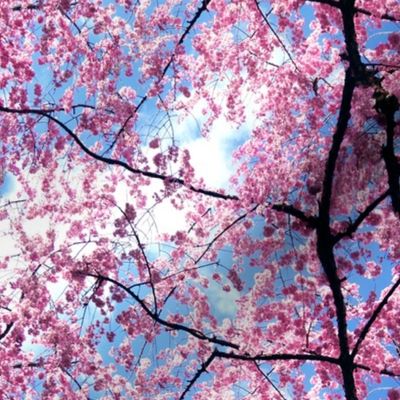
302,242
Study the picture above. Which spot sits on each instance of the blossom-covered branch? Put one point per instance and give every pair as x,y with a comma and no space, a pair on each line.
171,325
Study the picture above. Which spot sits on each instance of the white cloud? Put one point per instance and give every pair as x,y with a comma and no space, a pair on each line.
224,302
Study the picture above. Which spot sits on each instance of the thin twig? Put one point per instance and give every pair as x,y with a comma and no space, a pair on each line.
238,219
352,228
265,18
147,263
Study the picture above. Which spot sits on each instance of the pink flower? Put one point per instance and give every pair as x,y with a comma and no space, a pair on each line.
155,143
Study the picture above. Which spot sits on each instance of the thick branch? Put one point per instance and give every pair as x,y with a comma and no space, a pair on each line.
325,240
343,119
373,318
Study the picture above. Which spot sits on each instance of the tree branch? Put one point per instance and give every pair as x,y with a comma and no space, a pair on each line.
269,380
382,371
277,357
343,119
337,4
246,357
6,331
325,242
146,261
112,161
27,7
387,105
385,16
198,374
311,220
373,318
12,202
187,30
191,23
265,18
352,228
30,365
171,325
241,217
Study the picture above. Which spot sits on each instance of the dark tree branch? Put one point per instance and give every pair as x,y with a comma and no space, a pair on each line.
337,4
146,261
7,330
191,23
357,68
277,357
198,374
385,16
265,18
310,221
112,161
373,318
325,240
352,228
12,202
72,378
27,7
269,380
382,371
121,130
245,357
30,365
156,318
241,217
187,30
343,119
332,3
388,105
